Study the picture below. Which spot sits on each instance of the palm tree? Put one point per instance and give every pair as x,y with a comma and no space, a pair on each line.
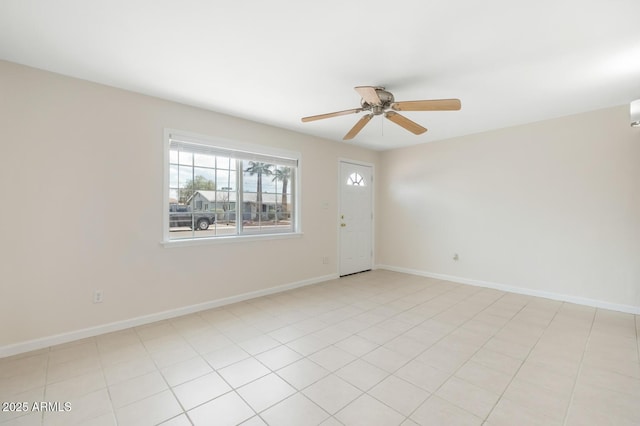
258,168
283,174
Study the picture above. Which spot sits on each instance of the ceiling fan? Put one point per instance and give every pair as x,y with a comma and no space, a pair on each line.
379,101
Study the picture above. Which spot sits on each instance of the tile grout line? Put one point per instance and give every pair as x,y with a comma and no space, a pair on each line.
504,294
478,350
159,370
407,417
377,345
433,344
94,341
216,371
233,389
386,290
381,291
46,380
521,363
106,383
580,363
360,357
271,371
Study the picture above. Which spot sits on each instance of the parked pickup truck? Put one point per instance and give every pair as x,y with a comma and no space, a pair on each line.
181,215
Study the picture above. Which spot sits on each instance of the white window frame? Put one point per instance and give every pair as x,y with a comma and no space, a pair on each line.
247,151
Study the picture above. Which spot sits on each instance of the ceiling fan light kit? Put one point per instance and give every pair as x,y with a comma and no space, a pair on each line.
379,101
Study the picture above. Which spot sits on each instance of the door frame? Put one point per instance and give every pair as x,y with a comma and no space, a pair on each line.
373,215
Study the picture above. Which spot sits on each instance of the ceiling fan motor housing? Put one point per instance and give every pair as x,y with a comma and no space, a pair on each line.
386,99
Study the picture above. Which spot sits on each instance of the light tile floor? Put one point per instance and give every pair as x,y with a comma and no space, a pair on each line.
378,348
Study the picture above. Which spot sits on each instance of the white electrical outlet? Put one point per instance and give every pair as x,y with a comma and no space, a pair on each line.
456,257
98,295
325,260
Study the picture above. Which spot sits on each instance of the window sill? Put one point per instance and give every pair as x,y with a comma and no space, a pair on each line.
228,240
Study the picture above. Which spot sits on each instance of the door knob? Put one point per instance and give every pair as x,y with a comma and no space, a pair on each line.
343,225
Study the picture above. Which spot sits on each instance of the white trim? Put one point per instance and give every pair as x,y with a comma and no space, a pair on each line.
43,342
236,146
230,240
165,184
630,309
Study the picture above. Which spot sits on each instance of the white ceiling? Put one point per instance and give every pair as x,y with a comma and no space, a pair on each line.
509,61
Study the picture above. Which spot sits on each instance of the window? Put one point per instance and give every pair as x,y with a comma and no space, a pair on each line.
221,189
355,179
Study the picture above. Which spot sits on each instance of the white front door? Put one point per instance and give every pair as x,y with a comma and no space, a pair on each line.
355,218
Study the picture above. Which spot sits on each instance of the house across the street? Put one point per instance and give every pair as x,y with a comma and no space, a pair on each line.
224,203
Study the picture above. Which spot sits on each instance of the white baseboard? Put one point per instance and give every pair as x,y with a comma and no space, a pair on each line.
43,342
630,309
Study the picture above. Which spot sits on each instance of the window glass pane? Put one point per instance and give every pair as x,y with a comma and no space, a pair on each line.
204,160
249,182
185,158
263,184
173,176
225,163
233,186
180,221
269,184
204,179
204,191
185,175
355,179
184,195
283,175
222,180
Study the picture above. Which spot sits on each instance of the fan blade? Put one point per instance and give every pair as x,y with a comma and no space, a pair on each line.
403,121
369,94
359,125
331,114
431,105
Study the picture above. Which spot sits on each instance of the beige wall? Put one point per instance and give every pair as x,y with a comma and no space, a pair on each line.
551,207
81,175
